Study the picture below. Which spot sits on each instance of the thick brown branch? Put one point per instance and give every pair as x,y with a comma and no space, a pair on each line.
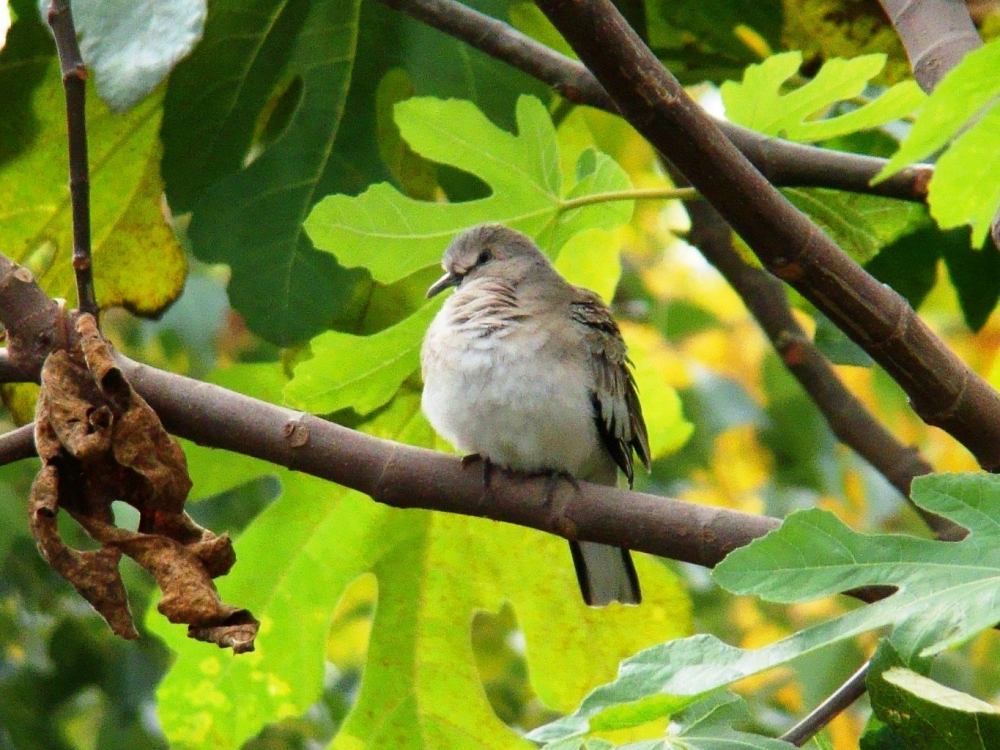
784,163
937,34
74,75
33,321
943,390
406,477
403,476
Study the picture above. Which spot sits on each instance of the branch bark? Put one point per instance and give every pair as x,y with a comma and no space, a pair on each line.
936,34
943,390
784,163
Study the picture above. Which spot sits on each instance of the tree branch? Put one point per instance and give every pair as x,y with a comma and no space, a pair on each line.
936,34
847,417
784,163
74,76
17,444
400,475
943,390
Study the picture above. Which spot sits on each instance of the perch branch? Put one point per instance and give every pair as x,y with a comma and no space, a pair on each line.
400,475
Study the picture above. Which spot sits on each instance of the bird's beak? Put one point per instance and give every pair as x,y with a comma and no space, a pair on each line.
449,279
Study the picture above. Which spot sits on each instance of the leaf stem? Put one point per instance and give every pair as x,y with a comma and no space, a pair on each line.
665,194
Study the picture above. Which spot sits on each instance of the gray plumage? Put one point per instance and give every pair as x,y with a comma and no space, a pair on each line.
531,372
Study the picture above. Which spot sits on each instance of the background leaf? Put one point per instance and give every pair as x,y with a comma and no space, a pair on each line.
925,714
132,46
251,218
712,40
359,372
861,224
966,90
137,261
965,188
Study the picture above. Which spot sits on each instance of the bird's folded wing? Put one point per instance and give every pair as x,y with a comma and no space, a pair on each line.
616,401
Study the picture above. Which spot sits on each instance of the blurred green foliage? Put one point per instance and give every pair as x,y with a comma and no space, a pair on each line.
385,628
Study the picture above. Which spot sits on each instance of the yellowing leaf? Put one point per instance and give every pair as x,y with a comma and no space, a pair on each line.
137,261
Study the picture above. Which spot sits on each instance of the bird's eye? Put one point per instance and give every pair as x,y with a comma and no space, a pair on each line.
484,257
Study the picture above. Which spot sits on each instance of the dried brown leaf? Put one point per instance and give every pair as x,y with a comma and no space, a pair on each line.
100,442
94,574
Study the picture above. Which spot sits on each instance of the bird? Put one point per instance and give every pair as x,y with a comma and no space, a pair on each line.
531,373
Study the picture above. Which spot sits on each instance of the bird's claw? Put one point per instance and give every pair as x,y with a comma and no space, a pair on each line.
552,480
487,466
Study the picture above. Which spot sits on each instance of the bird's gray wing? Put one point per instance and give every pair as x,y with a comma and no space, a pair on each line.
616,401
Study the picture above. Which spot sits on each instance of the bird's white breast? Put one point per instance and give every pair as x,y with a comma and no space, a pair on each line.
514,396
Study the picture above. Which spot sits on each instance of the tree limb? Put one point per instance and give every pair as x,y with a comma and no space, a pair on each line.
847,417
943,390
400,475
783,162
936,34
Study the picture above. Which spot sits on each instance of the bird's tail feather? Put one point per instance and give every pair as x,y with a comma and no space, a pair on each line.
606,574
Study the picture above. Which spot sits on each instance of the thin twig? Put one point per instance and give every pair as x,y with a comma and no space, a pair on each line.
17,444
784,163
74,75
829,709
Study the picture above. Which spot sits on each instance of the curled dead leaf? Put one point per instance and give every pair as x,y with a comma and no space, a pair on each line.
99,441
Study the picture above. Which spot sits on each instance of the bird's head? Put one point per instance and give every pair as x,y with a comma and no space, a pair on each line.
489,250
